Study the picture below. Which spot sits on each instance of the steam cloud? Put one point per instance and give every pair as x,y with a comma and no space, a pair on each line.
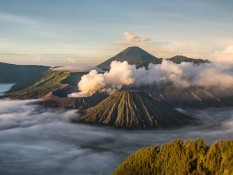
180,75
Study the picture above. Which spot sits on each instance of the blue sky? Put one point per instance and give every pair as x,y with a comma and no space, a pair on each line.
90,31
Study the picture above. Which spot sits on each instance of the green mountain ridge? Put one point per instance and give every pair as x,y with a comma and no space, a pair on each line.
179,157
11,73
50,80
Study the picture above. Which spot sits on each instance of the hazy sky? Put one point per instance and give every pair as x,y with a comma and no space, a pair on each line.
74,32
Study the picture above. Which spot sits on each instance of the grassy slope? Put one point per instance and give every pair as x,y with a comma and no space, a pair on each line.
179,157
74,78
48,82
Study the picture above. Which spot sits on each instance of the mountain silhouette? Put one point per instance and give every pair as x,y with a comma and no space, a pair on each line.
134,56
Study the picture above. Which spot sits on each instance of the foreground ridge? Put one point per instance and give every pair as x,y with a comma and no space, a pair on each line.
180,157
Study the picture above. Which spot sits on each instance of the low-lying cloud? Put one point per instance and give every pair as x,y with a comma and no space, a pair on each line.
16,113
224,55
77,68
38,141
180,75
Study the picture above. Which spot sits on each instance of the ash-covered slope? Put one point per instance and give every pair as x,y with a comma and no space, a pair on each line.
59,99
190,97
134,56
134,110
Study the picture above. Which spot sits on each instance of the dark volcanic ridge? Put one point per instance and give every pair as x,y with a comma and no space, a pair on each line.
180,58
139,57
133,110
134,56
59,99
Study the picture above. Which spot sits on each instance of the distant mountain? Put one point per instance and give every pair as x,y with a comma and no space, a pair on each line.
180,157
180,58
53,87
190,97
139,57
134,56
133,110
11,73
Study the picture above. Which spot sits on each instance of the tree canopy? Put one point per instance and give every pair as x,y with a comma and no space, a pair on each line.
192,157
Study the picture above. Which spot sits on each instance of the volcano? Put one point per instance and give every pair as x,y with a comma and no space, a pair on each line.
134,56
133,110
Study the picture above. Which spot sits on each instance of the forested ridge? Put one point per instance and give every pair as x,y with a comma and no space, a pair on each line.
192,157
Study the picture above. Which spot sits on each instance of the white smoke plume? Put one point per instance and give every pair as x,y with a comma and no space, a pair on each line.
181,75
120,73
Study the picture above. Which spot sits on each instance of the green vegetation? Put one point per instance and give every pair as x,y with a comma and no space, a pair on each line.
11,73
74,78
48,82
134,110
179,157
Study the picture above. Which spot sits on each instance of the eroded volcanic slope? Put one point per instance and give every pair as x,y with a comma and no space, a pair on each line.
133,110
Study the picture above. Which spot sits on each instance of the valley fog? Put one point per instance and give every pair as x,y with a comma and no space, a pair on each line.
5,87
40,141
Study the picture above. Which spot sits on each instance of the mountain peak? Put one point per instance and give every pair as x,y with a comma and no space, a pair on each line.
133,110
134,48
133,55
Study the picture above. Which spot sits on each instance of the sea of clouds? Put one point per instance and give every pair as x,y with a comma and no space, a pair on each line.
42,141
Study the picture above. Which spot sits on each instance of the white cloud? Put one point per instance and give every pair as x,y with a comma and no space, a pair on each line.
208,76
35,140
163,49
131,38
228,50
225,55
172,47
71,60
